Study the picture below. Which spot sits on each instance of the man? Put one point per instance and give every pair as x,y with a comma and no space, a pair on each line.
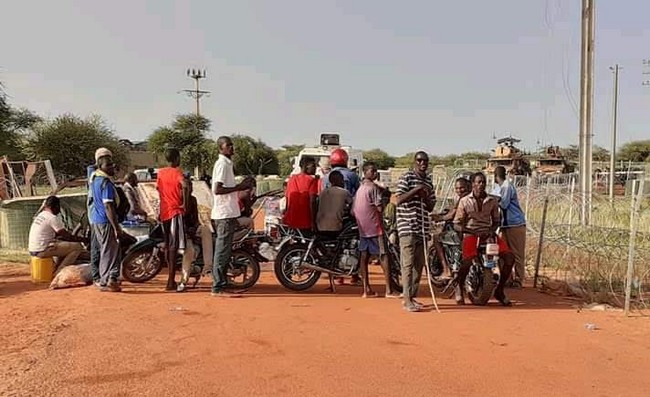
192,236
415,201
105,225
339,162
136,213
323,171
513,224
224,214
461,189
368,210
333,205
94,244
301,194
477,217
246,199
48,237
173,192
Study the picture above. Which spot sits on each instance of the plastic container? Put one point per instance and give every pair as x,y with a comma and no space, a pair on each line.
42,269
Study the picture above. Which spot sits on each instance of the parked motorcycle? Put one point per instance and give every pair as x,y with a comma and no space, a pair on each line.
302,259
451,245
145,259
484,274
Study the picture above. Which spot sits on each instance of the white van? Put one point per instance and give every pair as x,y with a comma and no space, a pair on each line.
329,142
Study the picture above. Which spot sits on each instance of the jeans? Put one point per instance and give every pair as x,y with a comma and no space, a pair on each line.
94,255
225,230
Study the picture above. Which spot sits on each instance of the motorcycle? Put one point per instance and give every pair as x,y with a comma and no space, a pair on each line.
145,259
483,274
451,246
302,259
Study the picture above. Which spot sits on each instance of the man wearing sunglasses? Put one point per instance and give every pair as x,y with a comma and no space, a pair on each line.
415,200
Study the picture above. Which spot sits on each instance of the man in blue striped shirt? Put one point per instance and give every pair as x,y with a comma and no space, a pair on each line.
415,200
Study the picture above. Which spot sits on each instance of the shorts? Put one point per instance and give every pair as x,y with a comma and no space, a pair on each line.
470,249
373,245
174,234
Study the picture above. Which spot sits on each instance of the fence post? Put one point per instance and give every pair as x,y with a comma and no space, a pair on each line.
527,192
634,226
541,242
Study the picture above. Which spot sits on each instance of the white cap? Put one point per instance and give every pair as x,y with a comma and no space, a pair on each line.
101,152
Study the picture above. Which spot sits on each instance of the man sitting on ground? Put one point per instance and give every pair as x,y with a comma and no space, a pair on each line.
48,237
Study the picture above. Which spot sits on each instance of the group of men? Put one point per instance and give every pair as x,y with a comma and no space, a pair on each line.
313,204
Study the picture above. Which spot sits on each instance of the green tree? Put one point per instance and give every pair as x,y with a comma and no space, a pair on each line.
69,142
285,156
383,160
635,151
13,124
405,161
187,133
599,153
254,157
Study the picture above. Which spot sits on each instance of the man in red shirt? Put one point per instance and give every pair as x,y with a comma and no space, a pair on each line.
174,194
301,194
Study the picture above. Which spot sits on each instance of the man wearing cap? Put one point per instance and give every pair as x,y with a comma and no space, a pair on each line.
94,244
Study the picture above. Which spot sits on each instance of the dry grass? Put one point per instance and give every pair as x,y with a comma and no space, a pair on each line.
14,256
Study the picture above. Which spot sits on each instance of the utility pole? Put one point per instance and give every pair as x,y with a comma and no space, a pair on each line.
646,73
196,93
612,154
586,107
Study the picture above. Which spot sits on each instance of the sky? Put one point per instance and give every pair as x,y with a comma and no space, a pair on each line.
441,76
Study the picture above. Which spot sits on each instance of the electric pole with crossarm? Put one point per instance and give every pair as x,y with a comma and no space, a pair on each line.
196,93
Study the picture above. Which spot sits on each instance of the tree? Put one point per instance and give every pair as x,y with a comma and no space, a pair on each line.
188,134
13,123
635,151
405,161
254,157
383,160
599,153
285,156
69,142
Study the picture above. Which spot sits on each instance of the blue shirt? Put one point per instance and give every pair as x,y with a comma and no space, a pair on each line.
350,180
100,196
512,213
89,202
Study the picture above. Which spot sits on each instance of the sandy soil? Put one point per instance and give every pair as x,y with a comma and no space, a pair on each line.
272,342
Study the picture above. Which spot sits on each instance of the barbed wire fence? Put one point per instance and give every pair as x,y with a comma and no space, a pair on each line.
591,262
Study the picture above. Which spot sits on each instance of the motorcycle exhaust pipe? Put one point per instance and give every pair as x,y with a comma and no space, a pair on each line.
321,269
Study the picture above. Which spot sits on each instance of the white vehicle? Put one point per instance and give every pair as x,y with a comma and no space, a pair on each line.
328,142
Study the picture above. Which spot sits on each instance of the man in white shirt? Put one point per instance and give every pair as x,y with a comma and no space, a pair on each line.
225,211
48,237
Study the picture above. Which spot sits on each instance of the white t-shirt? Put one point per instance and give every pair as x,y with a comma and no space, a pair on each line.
225,206
43,231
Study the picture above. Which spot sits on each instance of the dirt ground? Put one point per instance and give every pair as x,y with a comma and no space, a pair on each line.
144,342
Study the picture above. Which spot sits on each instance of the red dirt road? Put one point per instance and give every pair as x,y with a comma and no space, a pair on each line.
144,342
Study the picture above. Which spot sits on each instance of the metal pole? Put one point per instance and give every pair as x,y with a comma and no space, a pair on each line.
612,155
586,107
198,97
634,226
541,242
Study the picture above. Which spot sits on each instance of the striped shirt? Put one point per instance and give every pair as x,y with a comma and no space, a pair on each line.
409,214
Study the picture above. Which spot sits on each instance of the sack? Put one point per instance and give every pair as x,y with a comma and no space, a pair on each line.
72,276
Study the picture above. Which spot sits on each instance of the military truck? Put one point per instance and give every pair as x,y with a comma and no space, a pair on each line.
553,161
509,156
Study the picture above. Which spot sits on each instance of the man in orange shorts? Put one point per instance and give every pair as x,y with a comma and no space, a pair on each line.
478,218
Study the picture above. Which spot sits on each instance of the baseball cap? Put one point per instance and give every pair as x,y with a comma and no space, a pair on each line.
101,152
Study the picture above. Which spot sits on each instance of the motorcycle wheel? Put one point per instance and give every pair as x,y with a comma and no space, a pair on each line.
286,268
142,265
479,290
244,270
